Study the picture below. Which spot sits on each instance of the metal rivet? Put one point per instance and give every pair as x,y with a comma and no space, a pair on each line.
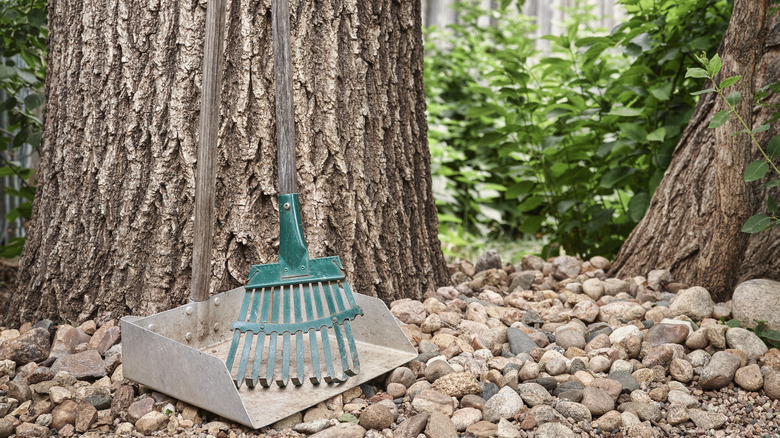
335,319
217,301
286,205
188,336
216,326
303,268
285,269
189,310
151,326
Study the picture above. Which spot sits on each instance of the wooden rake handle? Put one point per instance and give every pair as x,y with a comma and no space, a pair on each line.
285,116
207,150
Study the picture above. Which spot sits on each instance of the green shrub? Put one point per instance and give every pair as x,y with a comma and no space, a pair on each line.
568,145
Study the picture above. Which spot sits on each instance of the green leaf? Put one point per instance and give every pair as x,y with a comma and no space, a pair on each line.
449,218
624,112
733,98
757,223
663,92
771,205
762,128
657,135
756,170
6,71
634,131
729,82
708,90
638,205
719,119
714,65
771,183
531,224
773,147
732,323
33,101
696,72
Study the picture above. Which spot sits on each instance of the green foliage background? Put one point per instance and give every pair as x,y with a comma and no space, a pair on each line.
568,145
23,34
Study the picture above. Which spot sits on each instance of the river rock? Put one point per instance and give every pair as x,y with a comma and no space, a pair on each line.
746,342
707,420
408,311
621,310
87,364
694,302
665,333
376,416
457,384
554,430
597,401
757,299
576,411
488,260
720,371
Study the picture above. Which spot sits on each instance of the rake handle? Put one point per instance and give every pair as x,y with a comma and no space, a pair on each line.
208,130
285,116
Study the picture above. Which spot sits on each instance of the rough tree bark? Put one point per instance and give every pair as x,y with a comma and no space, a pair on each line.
112,223
693,224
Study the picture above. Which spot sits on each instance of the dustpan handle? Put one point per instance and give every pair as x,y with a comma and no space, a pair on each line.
285,117
207,150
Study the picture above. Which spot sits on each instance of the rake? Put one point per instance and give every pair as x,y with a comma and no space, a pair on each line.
298,298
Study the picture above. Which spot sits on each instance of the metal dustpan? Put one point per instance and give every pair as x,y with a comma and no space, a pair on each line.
183,352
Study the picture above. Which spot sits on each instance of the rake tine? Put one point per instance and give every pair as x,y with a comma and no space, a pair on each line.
237,335
315,354
269,375
331,377
248,340
298,379
348,330
252,382
286,339
337,330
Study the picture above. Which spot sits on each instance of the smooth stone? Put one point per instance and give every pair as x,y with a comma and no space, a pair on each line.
506,429
609,422
676,414
151,422
749,377
408,311
746,342
757,299
377,417
597,401
519,342
720,371
594,288
431,400
570,337
437,369
625,378
667,334
694,302
586,311
682,399
576,411
482,429
342,430
411,427
681,370
565,267
440,426
465,417
772,385
645,411
554,430
620,333
402,375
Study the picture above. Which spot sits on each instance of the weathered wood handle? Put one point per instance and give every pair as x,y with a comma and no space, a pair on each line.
208,128
285,117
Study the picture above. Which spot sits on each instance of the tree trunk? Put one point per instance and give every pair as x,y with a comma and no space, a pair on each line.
693,224
112,223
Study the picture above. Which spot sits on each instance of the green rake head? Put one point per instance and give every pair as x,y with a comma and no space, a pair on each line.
297,296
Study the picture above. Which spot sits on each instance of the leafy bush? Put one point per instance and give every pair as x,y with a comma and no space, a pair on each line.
22,36
569,145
